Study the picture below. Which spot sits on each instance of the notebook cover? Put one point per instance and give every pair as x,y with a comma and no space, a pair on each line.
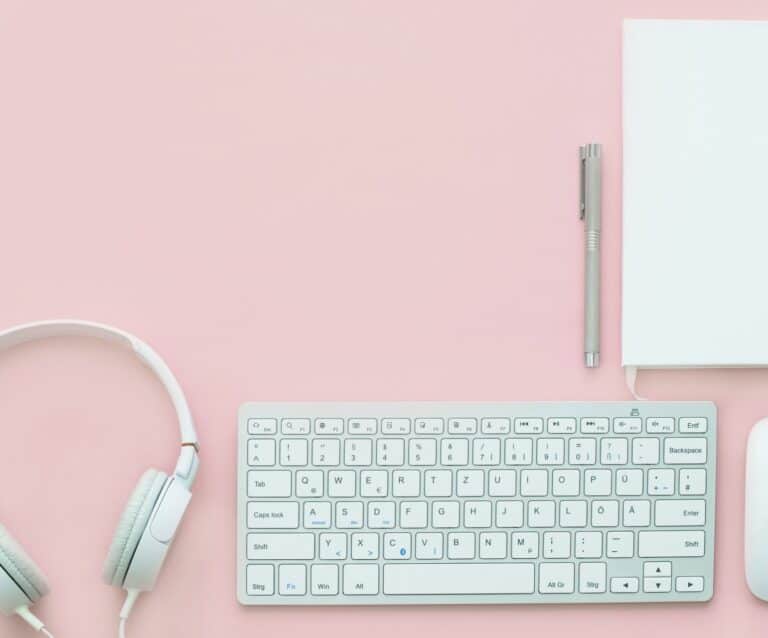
695,217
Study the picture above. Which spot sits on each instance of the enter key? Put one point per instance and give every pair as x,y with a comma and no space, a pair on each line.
680,513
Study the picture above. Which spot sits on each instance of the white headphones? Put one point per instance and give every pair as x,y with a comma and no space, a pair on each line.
154,511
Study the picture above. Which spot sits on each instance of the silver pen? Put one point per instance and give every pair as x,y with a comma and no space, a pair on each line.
590,211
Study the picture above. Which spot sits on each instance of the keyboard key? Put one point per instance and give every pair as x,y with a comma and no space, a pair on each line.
470,482
565,482
477,514
687,451
657,569
582,451
605,513
341,483
533,482
261,452
333,546
525,545
329,426
493,545
461,545
326,452
592,578
671,544
693,482
349,515
406,483
260,580
529,426
397,546
660,425
309,483
462,426
422,452
518,451
614,451
486,451
541,513
689,584
597,482
661,482
362,426
273,515
495,426
556,578
509,514
373,483
317,515
445,514
588,544
573,513
550,451
429,546
293,580
680,513
358,452
619,544
485,578
294,452
629,482
645,451
657,585
627,425
625,585
381,514
556,545
325,580
395,426
269,483
413,514
295,426
438,483
595,425
429,426
365,546
390,451
454,452
561,425
637,513
262,426
361,580
280,546
696,425
502,483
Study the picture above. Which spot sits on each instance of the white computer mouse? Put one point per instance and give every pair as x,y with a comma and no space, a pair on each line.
756,511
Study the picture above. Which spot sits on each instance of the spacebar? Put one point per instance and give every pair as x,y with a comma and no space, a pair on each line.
461,578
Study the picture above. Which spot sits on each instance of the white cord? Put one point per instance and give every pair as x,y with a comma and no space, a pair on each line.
46,632
630,375
121,629
130,601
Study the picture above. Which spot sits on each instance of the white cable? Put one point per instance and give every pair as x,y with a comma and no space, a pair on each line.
630,376
46,632
130,600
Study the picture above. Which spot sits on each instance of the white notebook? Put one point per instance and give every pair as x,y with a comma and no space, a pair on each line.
695,260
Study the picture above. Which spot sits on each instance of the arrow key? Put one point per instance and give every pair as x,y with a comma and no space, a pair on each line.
657,569
625,585
687,584
657,585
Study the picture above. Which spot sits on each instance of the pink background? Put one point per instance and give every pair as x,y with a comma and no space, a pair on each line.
308,200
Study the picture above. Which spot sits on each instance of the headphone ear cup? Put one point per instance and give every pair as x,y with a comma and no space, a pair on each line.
132,524
21,568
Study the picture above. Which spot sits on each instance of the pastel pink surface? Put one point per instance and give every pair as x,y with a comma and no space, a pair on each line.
308,200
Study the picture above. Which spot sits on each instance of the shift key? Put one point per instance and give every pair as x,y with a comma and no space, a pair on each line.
670,544
281,546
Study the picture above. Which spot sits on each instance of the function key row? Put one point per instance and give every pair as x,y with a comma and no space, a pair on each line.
469,425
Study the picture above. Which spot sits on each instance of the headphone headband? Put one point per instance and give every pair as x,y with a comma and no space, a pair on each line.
75,328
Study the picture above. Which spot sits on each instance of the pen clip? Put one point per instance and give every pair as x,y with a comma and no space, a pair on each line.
582,179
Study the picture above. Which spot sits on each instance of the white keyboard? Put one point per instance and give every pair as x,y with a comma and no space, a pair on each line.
425,503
